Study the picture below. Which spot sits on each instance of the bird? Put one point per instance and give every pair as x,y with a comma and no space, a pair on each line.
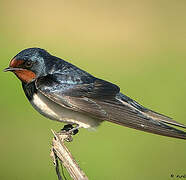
63,92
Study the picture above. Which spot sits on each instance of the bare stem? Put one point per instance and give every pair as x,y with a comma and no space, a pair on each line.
60,151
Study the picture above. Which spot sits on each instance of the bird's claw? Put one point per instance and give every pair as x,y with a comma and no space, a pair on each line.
69,129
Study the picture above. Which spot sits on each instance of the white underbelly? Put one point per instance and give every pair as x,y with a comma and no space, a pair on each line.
56,112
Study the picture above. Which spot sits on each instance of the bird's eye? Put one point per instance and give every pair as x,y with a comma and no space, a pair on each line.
28,64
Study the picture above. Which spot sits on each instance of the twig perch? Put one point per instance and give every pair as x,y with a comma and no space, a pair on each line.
60,151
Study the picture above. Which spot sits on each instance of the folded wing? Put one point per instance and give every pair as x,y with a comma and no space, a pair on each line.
102,100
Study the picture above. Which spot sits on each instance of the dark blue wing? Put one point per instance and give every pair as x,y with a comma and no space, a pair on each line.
101,99
83,86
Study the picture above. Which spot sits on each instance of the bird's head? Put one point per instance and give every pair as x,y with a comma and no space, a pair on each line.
28,64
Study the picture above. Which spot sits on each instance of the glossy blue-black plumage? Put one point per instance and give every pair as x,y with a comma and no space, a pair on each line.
75,89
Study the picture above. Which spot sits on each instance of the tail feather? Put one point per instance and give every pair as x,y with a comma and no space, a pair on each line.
124,113
121,115
164,119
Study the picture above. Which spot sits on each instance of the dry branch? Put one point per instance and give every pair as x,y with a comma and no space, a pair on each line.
60,151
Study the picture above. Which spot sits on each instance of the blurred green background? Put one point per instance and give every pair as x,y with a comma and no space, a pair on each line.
139,45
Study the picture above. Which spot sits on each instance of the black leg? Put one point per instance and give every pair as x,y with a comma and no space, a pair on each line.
70,129
67,127
75,131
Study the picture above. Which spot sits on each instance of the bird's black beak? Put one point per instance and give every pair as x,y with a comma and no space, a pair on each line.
8,69
11,69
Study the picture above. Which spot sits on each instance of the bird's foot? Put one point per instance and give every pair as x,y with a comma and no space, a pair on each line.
70,129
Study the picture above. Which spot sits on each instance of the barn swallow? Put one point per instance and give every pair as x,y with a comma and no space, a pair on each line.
63,92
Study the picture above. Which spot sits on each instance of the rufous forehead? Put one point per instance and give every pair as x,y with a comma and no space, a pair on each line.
16,62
